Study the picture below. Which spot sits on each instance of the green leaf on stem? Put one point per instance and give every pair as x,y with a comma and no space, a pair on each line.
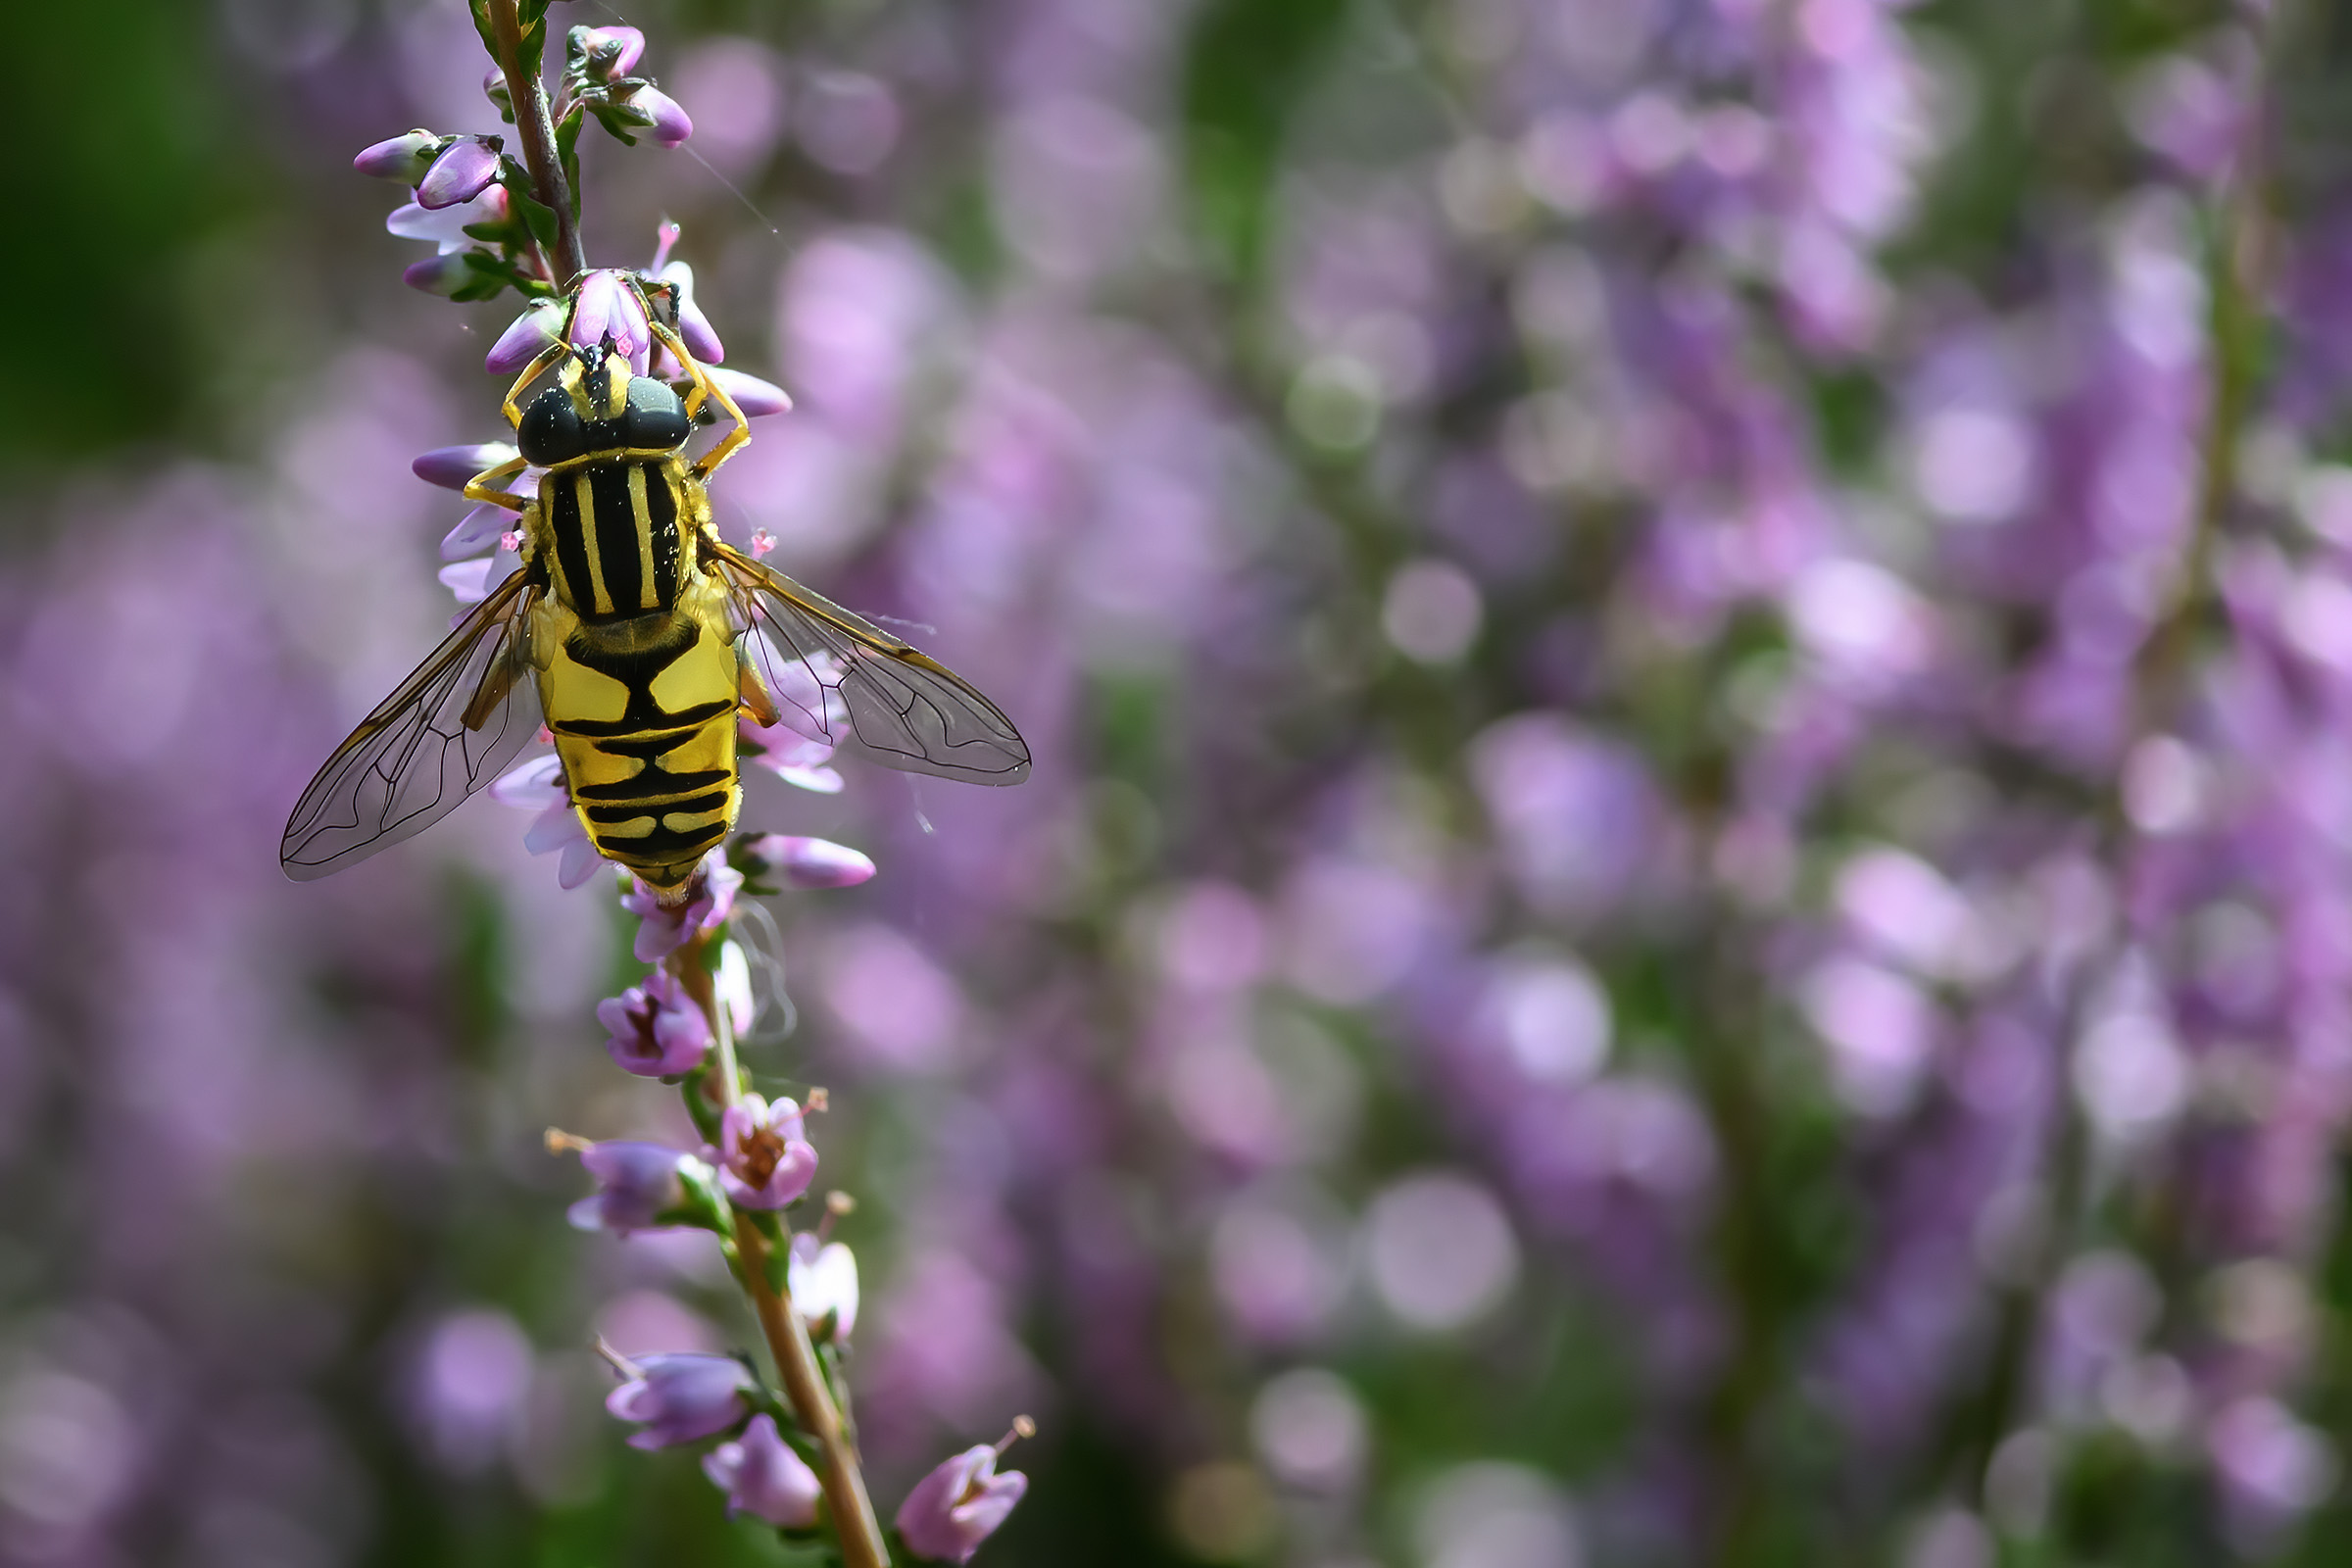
539,218
698,1104
568,153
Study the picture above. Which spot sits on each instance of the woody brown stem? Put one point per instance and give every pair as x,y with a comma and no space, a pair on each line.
537,128
787,1336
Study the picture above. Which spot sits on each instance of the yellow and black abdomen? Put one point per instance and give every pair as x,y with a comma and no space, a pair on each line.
643,713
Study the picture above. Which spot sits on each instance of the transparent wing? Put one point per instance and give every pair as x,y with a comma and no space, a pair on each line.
451,728
839,678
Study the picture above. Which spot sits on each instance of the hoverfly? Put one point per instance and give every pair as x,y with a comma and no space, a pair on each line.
636,635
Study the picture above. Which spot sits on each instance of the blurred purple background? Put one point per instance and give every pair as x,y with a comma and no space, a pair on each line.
1686,898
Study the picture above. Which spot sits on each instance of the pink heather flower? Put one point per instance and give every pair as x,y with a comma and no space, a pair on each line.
658,1031
538,786
790,756
609,51
404,159
443,274
480,530
701,340
637,1183
732,985
662,928
669,125
533,787
446,227
606,310
959,1506
464,169
763,1476
823,1280
755,397
473,580
809,864
681,1398
455,467
763,1161
520,344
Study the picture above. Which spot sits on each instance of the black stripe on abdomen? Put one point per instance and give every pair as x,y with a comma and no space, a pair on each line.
654,784
630,812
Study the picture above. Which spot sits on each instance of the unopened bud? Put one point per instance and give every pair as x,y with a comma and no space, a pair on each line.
465,169
605,52
495,88
403,159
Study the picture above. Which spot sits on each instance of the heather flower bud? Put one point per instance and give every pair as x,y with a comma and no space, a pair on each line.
443,274
606,310
656,1030
640,1187
823,1280
464,169
765,1160
606,52
404,159
650,111
752,395
495,88
520,344
680,1398
701,340
763,1476
804,863
959,1506
455,467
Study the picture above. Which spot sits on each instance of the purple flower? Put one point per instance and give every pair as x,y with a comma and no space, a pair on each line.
680,1398
606,310
637,1183
823,1280
755,397
520,344
663,928
806,863
465,169
701,340
455,467
761,1476
443,274
404,159
959,1506
765,1160
786,753
445,228
538,786
658,1031
609,51
667,121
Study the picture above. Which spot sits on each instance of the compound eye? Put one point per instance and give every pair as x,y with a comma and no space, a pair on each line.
550,432
654,417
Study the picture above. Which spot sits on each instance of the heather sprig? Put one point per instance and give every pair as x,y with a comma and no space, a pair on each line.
506,219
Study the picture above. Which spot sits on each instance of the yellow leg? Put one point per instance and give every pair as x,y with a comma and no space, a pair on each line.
704,388
538,366
479,487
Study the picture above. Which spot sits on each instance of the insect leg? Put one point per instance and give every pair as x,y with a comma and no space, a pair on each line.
704,387
538,366
482,488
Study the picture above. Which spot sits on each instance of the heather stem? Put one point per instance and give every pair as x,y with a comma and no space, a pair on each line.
538,132
813,1405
